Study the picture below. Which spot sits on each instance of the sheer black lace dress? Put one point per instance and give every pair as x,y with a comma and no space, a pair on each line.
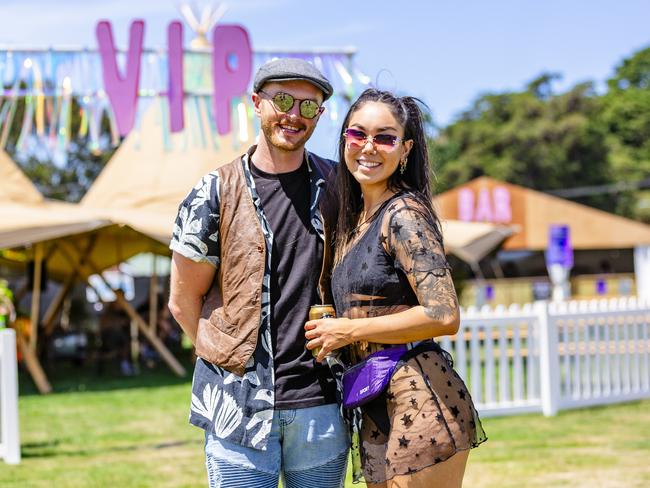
397,262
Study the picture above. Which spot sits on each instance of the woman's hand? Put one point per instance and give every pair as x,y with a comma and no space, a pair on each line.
328,335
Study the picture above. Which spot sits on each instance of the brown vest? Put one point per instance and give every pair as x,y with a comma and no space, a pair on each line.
230,318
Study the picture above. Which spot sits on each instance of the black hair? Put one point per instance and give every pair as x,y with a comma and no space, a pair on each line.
416,178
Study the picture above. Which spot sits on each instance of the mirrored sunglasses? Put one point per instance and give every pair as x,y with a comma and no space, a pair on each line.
284,102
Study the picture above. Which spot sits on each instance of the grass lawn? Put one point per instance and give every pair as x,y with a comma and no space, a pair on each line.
133,432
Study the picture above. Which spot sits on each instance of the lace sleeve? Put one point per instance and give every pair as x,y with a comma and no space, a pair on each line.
196,229
414,242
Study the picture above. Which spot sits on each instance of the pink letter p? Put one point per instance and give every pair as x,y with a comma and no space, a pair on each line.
228,81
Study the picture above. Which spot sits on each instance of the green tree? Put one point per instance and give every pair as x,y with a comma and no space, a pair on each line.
535,138
68,181
625,118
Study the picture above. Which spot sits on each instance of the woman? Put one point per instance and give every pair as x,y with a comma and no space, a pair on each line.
391,285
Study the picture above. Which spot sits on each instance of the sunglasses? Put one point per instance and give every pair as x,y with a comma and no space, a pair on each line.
382,142
285,102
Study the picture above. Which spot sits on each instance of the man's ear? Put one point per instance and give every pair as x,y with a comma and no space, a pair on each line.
256,103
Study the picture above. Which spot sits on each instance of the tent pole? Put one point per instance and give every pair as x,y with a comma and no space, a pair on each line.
153,296
158,345
33,365
36,295
477,270
496,267
55,306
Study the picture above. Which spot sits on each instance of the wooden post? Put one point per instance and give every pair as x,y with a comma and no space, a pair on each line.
158,345
33,365
153,296
36,295
167,356
55,306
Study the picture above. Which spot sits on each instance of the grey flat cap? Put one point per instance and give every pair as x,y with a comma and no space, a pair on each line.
286,69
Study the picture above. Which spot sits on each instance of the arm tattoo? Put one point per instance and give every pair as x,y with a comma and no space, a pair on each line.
414,242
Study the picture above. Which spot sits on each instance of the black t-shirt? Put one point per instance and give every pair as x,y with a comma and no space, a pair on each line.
296,260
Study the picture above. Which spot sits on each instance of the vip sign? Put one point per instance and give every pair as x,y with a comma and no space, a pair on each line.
232,62
485,206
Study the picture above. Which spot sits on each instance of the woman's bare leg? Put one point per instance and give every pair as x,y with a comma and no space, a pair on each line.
448,474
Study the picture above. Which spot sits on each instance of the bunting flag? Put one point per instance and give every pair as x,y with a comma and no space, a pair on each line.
61,95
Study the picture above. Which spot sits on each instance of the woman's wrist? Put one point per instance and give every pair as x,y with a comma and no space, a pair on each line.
356,330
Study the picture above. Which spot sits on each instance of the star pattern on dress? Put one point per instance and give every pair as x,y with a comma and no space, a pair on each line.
425,356
375,434
433,441
414,402
443,369
413,385
390,396
454,411
461,394
396,228
364,266
403,442
406,420
448,383
383,238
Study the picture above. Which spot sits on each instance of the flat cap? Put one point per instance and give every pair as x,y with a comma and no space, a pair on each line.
286,69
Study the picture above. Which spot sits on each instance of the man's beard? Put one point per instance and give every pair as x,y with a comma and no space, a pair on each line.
270,130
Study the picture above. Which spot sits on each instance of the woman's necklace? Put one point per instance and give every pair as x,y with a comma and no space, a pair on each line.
371,212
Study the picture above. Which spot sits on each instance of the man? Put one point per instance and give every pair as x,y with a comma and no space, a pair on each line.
247,256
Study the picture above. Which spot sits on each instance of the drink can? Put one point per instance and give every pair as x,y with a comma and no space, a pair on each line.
321,312
325,311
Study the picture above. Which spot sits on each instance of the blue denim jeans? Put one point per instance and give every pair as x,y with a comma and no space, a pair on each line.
307,446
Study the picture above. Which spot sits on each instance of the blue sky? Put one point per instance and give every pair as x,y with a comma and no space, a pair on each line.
445,52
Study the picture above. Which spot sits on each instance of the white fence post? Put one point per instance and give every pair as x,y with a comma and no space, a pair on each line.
9,432
548,360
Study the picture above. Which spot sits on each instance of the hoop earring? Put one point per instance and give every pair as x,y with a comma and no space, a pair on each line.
402,165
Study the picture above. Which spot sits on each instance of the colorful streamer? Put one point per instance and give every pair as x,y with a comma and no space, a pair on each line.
52,84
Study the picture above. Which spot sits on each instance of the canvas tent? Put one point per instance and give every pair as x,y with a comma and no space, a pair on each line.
26,217
144,182
15,186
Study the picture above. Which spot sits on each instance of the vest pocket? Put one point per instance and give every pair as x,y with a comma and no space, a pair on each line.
218,343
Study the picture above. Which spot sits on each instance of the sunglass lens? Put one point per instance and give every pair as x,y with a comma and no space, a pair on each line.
355,137
283,102
385,141
309,109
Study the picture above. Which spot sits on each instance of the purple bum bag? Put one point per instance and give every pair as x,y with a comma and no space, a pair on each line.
366,380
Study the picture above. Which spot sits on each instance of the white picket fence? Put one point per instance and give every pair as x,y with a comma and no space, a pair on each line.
544,357
9,432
